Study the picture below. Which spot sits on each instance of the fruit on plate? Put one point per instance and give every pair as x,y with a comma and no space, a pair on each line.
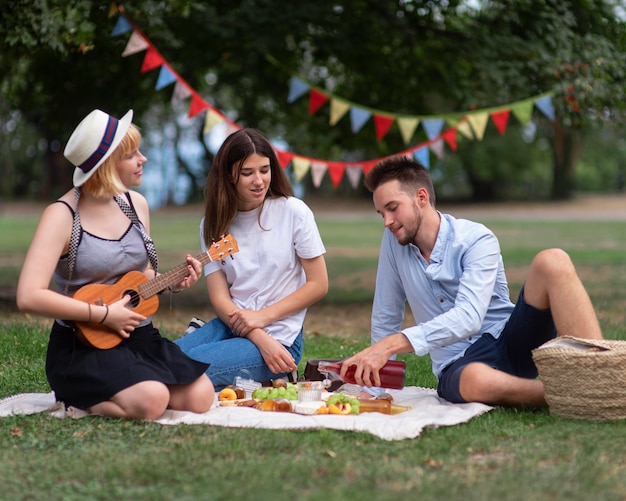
340,403
231,393
339,408
288,392
277,405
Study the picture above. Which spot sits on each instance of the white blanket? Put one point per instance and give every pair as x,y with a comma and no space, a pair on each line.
427,410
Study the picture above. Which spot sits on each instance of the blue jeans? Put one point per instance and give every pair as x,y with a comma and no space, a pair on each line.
215,343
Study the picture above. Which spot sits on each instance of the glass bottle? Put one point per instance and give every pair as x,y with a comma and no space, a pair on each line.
391,374
380,405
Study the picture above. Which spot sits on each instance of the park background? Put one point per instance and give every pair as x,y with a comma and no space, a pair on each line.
515,106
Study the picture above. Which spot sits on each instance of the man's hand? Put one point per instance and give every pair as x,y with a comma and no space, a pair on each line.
370,360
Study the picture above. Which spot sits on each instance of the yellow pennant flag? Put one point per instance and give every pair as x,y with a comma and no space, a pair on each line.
338,109
465,129
211,120
300,167
407,126
478,121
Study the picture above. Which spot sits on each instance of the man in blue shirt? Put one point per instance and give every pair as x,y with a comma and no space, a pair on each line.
450,271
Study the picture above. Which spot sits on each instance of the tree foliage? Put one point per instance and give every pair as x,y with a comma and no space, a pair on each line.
58,61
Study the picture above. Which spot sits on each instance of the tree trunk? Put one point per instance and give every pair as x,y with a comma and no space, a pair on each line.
567,145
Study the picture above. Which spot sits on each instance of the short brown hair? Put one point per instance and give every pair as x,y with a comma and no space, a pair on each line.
411,174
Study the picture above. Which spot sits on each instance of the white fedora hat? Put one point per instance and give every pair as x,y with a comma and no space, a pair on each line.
93,140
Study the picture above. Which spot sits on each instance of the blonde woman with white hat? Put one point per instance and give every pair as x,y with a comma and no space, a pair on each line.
98,233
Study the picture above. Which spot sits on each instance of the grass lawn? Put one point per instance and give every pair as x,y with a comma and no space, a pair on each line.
509,454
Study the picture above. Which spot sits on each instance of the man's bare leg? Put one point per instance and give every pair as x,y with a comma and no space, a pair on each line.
553,283
481,383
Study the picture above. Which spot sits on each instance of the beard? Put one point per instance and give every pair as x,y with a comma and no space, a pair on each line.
410,229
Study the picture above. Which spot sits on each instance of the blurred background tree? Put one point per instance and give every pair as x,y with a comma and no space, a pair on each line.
58,61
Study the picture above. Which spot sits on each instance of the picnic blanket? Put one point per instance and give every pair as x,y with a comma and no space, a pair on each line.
428,410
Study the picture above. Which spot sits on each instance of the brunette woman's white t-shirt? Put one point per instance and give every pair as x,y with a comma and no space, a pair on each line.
267,267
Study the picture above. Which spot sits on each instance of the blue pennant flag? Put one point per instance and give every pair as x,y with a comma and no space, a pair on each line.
166,77
546,107
432,127
296,89
358,117
422,156
121,26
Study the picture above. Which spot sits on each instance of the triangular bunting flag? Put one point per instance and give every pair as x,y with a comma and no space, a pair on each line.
166,77
407,128
316,101
335,170
367,166
354,175
449,137
211,120
136,43
382,124
300,166
151,60
478,121
318,169
284,157
358,117
422,156
297,88
500,119
113,9
338,109
437,147
432,127
197,105
181,91
121,26
546,107
523,111
464,128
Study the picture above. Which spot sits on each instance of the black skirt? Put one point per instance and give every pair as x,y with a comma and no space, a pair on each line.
81,376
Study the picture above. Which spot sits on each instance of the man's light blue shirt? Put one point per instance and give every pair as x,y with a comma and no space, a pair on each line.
461,294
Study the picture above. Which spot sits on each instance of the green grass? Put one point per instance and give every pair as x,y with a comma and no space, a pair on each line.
510,454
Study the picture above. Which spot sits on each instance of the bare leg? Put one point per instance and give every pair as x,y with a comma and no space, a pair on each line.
553,283
145,400
197,396
481,383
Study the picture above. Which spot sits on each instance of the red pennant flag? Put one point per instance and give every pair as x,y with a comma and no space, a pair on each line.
151,60
335,170
367,166
284,157
316,101
382,124
450,137
500,119
197,105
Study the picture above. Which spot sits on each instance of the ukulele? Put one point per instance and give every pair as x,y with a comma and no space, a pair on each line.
142,291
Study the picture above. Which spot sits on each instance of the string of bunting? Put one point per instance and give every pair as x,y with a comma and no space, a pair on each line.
471,124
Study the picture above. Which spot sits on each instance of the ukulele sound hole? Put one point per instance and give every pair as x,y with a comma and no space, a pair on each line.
134,298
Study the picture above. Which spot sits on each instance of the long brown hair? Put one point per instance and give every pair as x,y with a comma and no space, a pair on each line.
221,197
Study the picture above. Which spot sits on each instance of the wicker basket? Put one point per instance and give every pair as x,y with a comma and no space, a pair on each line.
584,378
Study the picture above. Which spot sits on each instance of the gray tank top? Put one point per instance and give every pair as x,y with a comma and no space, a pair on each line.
102,261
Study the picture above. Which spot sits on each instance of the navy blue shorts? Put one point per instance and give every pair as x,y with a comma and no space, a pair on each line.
527,328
